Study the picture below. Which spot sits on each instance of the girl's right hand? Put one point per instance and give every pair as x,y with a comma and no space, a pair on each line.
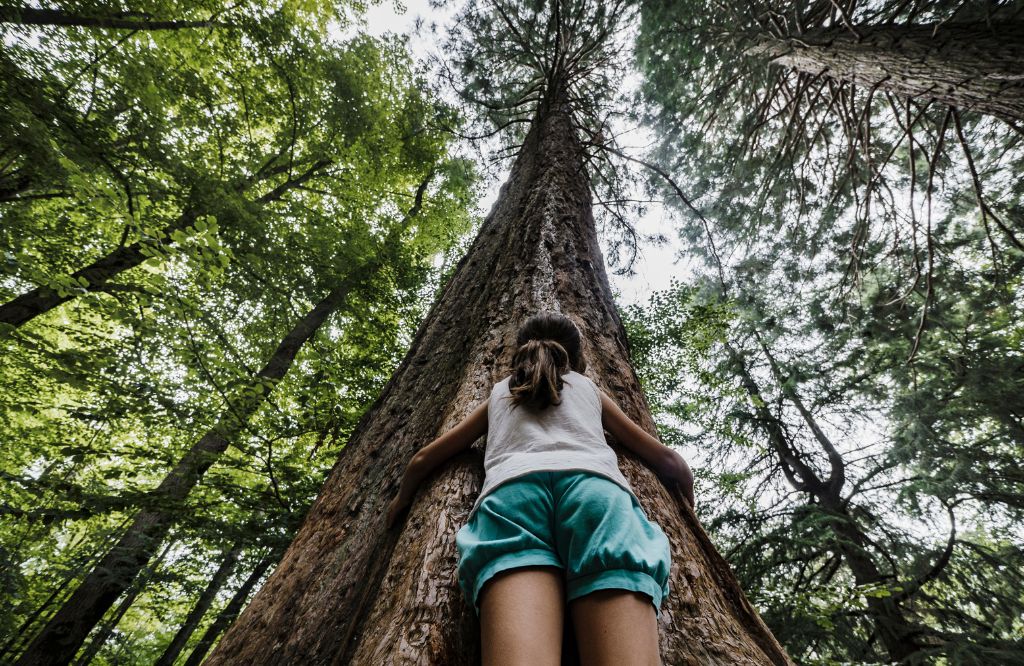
395,509
683,475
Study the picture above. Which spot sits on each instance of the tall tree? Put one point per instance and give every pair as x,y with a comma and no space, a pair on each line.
837,114
348,591
231,610
63,635
845,495
107,628
850,215
973,66
99,145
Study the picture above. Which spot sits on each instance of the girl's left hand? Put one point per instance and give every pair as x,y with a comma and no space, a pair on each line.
395,509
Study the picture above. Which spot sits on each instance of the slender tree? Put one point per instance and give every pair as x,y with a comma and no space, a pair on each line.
203,603
62,636
232,609
107,628
347,590
184,332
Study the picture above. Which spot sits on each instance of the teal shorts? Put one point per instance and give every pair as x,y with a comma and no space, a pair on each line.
584,523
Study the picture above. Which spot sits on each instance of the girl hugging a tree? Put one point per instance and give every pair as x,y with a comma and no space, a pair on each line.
556,522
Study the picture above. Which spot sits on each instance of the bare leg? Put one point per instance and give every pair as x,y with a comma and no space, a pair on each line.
615,627
521,614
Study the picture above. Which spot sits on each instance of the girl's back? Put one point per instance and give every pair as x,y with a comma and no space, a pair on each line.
569,435
555,528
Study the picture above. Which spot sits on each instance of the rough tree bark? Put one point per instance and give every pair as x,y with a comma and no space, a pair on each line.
60,639
350,592
970,66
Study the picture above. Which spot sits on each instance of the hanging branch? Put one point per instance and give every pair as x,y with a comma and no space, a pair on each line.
986,211
116,20
679,192
928,237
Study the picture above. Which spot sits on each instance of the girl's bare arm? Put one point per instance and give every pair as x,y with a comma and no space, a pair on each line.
433,454
666,462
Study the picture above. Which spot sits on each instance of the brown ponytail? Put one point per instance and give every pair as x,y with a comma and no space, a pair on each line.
549,346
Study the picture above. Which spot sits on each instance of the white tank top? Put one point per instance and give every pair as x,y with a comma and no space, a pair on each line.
567,436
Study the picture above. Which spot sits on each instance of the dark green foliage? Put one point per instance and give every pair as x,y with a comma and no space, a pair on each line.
865,429
914,454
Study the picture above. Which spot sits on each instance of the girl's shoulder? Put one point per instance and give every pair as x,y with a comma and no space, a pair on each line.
587,381
501,386
572,374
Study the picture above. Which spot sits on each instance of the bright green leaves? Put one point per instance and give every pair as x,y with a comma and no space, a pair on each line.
670,340
245,173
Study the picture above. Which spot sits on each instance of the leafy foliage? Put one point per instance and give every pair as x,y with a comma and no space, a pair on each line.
253,166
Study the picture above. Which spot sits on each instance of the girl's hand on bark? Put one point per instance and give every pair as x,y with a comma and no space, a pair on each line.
686,486
676,470
395,509
683,476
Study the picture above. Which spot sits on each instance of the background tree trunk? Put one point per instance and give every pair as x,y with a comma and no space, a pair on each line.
101,637
347,590
195,616
62,636
971,66
231,611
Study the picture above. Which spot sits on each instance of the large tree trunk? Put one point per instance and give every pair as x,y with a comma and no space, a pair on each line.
198,611
60,639
971,66
347,590
231,611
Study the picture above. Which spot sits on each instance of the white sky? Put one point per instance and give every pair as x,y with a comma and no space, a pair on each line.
654,266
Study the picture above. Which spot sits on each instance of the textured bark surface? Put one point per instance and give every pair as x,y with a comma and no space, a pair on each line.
347,590
972,66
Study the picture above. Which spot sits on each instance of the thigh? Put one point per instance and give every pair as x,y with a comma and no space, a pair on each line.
521,613
615,626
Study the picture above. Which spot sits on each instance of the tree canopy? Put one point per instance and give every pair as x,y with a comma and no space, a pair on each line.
175,201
